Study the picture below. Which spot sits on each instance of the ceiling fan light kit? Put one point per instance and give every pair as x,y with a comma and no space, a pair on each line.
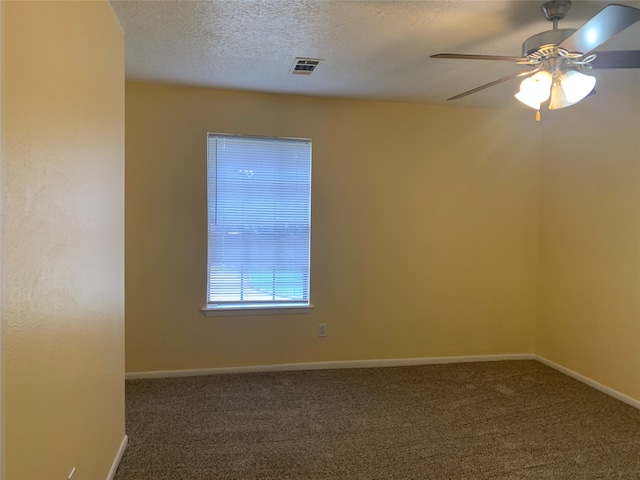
565,88
559,57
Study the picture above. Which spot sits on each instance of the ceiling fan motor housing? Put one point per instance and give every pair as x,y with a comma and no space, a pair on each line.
545,40
556,10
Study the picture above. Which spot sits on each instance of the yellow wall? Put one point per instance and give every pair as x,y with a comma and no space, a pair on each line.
424,230
589,284
63,239
2,435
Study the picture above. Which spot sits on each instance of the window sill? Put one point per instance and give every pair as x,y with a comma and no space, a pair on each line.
226,311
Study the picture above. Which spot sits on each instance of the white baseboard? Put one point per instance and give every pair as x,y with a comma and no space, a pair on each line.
592,383
391,362
116,461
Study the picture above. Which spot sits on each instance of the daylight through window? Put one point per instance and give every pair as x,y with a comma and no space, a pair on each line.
259,212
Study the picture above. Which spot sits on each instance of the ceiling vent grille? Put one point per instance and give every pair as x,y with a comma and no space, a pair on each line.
305,66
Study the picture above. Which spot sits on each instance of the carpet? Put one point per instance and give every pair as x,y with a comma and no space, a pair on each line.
507,420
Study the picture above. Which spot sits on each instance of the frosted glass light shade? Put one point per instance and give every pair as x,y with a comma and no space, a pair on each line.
558,98
577,85
572,87
528,100
535,90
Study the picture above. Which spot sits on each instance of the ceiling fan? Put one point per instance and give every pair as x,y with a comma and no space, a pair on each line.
557,58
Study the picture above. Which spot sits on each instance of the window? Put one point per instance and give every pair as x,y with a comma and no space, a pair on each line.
259,215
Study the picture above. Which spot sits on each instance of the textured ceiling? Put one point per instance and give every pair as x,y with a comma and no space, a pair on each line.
370,49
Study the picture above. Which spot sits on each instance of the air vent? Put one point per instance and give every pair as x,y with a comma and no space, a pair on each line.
305,66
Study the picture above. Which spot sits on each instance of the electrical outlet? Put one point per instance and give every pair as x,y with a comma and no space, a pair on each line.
72,475
322,329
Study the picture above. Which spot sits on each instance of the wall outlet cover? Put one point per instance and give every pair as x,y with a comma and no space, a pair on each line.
322,329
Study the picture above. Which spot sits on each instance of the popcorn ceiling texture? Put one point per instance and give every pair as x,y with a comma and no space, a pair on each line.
375,50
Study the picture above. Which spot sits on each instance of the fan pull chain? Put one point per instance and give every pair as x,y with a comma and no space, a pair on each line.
538,115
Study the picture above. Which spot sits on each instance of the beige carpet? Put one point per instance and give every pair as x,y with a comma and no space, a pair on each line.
475,421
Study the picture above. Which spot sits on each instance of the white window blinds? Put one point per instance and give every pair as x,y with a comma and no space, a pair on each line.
259,209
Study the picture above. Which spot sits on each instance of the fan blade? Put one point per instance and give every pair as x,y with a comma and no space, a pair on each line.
495,82
464,56
617,59
610,21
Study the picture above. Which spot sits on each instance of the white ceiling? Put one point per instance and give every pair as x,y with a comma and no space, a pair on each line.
370,49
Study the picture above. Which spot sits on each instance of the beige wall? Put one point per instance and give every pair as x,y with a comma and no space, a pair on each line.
589,284
2,435
62,239
424,234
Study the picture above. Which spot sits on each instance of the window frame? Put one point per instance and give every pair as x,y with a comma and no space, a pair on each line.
255,307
